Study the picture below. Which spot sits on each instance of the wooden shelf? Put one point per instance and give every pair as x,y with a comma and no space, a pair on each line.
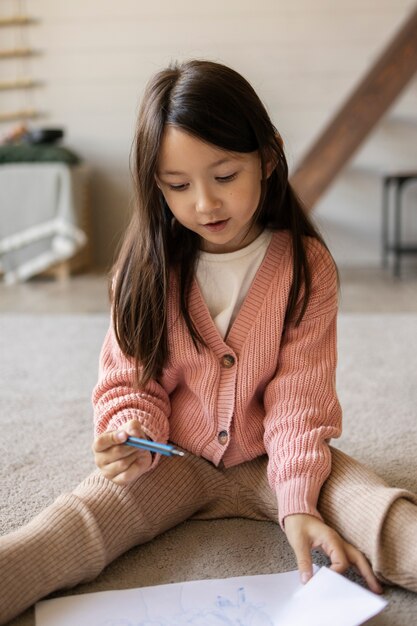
18,83
17,20
11,116
16,52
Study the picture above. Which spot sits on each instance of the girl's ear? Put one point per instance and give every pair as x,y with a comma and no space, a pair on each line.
270,166
272,162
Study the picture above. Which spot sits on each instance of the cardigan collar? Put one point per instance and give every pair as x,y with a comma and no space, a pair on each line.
252,303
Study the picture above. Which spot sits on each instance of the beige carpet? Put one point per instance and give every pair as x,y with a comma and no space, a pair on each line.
48,367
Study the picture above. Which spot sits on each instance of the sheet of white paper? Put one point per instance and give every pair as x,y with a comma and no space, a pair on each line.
265,600
330,599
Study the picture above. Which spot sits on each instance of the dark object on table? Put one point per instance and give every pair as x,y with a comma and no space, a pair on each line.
40,153
44,135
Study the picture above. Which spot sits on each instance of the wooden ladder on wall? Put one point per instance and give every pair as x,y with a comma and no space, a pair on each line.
358,115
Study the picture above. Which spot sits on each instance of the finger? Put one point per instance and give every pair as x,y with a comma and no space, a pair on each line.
127,470
345,555
302,552
114,454
108,439
360,562
120,466
338,558
334,546
134,428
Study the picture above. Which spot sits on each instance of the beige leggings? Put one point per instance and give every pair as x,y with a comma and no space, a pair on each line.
80,533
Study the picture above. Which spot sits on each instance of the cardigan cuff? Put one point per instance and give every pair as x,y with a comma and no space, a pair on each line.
299,495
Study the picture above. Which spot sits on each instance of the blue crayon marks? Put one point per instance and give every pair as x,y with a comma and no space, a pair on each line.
222,612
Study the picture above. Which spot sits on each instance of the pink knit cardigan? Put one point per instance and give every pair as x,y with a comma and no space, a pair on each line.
261,390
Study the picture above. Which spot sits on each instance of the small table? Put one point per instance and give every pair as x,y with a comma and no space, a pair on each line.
397,181
44,219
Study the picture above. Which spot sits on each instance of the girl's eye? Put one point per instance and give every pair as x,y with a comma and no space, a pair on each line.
178,187
220,179
226,179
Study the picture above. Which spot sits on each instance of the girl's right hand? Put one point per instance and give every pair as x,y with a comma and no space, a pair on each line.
117,462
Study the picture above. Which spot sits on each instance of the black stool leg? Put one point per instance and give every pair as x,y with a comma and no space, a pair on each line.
385,222
397,228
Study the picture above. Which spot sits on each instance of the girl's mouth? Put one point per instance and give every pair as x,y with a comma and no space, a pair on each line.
215,227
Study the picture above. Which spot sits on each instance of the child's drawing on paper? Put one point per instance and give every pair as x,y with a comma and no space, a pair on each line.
223,612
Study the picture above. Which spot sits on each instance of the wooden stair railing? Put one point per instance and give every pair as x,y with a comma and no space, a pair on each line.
358,115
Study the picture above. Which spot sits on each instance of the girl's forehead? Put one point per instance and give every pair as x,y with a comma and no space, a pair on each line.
174,138
179,147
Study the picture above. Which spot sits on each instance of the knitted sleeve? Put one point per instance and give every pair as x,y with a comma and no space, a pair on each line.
115,401
302,408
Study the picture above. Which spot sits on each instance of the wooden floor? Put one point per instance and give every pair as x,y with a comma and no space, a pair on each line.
362,290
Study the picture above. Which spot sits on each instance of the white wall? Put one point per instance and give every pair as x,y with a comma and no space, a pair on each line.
302,56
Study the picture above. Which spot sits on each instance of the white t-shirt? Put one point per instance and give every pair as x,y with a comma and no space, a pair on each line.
224,279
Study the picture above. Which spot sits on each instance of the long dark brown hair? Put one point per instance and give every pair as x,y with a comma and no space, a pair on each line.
215,104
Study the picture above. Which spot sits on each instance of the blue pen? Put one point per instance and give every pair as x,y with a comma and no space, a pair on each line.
152,446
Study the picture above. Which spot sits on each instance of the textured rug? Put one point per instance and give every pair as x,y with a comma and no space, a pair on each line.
48,368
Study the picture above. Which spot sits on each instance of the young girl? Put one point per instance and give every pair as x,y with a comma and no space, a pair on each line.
223,342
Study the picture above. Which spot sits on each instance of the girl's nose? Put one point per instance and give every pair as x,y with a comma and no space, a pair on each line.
206,201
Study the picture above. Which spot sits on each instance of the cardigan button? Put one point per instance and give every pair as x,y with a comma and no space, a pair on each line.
223,437
227,361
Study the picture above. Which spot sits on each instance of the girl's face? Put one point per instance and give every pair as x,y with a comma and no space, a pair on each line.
210,191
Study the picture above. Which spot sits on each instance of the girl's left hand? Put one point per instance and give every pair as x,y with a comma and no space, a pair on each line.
305,532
